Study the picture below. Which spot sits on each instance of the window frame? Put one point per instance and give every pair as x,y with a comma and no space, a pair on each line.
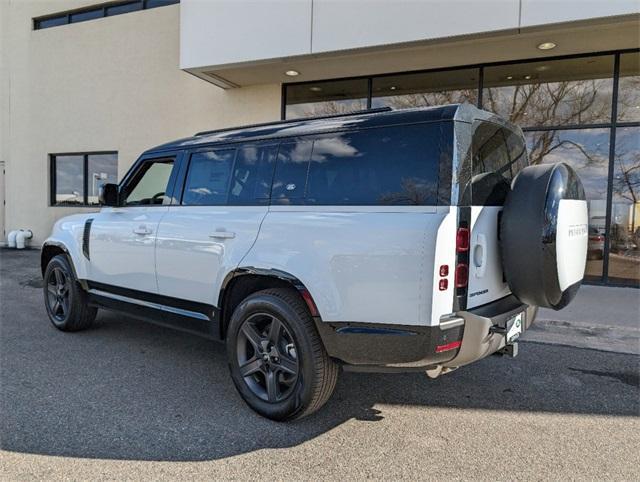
130,176
104,7
188,159
85,176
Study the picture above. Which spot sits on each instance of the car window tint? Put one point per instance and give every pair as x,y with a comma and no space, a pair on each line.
498,155
381,166
207,182
291,172
150,184
252,175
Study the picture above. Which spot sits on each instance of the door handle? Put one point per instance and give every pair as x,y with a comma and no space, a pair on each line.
142,230
223,235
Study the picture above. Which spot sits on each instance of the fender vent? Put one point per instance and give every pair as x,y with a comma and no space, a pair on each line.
85,238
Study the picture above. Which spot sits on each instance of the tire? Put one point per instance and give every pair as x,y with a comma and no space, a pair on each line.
267,353
544,235
64,298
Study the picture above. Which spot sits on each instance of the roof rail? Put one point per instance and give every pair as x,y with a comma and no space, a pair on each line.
330,116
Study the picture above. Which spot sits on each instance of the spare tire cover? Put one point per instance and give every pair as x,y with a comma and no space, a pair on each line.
544,235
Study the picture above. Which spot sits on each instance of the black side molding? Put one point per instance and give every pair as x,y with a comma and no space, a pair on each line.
85,238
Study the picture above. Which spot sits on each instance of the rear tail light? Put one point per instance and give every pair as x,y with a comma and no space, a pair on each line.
443,284
462,275
462,240
444,270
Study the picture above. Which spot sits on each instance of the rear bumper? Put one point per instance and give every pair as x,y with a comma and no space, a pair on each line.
460,339
485,327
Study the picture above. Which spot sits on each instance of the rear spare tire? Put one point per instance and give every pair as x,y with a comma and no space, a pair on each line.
544,235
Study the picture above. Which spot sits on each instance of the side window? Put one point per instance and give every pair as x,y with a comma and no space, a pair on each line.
207,182
149,184
291,172
498,155
381,166
497,150
252,175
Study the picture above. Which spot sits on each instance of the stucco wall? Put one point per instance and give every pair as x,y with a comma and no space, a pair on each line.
106,84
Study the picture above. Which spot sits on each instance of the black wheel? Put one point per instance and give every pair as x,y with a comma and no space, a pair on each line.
64,298
276,357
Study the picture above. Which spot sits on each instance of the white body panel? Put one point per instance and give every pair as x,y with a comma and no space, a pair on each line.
190,263
122,245
486,283
67,233
360,264
445,254
571,241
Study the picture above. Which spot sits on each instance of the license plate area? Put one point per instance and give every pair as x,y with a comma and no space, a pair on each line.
514,327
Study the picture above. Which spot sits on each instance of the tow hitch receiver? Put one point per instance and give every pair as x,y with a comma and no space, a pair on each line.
510,350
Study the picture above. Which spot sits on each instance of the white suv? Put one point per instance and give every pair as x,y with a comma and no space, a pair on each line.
380,241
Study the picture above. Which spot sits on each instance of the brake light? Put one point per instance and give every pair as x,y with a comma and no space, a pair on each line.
444,270
443,284
462,275
462,240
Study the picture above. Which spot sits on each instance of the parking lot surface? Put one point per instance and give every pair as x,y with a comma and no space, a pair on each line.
129,400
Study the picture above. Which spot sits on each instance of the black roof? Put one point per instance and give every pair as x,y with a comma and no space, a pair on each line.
298,127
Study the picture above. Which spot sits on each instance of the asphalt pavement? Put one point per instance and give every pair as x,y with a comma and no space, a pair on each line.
127,400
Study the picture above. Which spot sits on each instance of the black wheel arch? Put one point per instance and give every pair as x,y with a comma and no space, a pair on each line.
242,282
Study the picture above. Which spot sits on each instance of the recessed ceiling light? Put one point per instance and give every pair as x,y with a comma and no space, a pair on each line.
509,77
292,73
542,68
393,87
527,77
315,88
546,46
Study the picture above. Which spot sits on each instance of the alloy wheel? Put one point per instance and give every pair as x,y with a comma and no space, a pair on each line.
267,357
58,288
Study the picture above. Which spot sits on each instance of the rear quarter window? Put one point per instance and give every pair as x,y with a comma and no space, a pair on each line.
385,166
498,154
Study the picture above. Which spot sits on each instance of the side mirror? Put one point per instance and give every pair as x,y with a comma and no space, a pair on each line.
108,195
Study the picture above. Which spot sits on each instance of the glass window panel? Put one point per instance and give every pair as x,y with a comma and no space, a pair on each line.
624,243
101,169
546,93
587,151
124,8
291,172
150,184
498,155
252,175
86,15
326,98
385,166
629,88
51,22
425,89
207,181
160,3
69,180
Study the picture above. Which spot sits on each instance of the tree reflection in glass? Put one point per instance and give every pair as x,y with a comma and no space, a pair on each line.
587,152
624,247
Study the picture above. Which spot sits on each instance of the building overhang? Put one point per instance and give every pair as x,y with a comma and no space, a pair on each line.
233,46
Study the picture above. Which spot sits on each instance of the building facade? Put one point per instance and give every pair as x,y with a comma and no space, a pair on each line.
85,87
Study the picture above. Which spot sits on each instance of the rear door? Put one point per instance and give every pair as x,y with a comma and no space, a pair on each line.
498,154
224,198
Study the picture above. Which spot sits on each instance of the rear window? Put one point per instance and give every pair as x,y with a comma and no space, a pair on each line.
498,154
384,166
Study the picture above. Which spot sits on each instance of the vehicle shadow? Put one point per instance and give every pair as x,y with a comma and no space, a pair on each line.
133,391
